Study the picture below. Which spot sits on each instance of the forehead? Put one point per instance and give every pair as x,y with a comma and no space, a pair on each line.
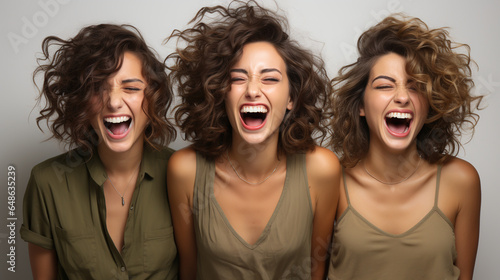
259,55
131,66
393,65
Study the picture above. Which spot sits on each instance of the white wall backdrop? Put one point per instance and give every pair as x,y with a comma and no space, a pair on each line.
329,27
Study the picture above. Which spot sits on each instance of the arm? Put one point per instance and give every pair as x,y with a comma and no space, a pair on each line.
43,262
181,174
323,173
36,228
467,219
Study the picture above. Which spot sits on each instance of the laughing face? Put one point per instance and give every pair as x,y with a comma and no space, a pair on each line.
394,110
259,95
121,121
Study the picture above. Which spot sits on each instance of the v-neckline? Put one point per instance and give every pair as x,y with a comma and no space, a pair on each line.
266,229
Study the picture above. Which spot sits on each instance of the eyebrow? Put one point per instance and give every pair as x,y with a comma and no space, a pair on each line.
265,70
132,80
384,77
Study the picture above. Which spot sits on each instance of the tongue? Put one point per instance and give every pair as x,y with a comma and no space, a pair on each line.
397,127
118,128
252,121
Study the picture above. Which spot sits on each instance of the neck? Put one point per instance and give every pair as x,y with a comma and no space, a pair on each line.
391,167
121,162
254,161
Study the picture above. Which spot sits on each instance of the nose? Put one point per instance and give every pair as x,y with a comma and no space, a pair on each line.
253,87
115,99
402,96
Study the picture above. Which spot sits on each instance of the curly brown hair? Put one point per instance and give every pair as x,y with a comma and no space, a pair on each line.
78,68
442,75
201,71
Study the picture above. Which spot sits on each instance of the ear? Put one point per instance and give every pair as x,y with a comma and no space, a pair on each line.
289,106
362,111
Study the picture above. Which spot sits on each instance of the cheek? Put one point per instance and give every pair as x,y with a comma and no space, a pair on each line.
144,104
95,108
94,123
95,105
279,96
136,99
231,98
422,105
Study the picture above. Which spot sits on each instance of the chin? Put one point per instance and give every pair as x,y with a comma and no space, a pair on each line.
117,147
399,145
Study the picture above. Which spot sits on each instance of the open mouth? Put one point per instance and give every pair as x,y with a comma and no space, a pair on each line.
398,123
253,116
117,125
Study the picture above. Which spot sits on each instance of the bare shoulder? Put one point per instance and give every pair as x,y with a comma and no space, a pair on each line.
322,158
181,170
462,178
322,164
460,173
182,162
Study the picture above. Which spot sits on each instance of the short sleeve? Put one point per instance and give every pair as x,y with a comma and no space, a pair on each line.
36,228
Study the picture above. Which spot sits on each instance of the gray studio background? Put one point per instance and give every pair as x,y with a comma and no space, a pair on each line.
331,28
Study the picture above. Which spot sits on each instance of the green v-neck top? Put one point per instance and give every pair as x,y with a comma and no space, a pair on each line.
65,210
363,251
283,251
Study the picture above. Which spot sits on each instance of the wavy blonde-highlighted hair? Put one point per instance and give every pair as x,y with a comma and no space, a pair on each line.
442,75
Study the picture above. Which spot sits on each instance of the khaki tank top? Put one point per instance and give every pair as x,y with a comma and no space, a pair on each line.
281,252
363,251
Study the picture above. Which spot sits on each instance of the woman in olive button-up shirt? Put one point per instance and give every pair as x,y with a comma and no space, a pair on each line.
100,211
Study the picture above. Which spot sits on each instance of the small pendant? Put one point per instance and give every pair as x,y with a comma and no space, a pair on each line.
123,201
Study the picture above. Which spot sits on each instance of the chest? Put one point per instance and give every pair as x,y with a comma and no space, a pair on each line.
260,227
247,208
86,243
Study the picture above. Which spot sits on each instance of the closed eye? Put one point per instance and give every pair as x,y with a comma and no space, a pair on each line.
237,80
270,80
132,89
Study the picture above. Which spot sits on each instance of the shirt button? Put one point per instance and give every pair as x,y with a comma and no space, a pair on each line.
131,207
123,269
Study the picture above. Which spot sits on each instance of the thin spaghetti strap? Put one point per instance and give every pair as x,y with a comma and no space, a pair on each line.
345,187
438,179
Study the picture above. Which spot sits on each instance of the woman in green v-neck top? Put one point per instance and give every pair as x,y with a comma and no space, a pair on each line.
253,197
101,211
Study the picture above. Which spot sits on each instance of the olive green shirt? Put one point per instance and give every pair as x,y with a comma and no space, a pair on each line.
65,211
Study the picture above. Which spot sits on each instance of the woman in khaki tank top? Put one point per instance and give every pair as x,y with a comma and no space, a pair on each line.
247,193
408,208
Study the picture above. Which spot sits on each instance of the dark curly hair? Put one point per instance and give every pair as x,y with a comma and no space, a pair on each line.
78,69
201,70
442,75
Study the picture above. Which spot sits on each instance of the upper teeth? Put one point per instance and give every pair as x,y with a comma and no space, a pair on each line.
399,115
253,109
117,119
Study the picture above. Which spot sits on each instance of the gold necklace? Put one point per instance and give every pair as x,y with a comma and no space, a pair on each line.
242,179
125,191
393,183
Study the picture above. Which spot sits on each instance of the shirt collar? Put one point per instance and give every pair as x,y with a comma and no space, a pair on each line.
147,164
98,173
